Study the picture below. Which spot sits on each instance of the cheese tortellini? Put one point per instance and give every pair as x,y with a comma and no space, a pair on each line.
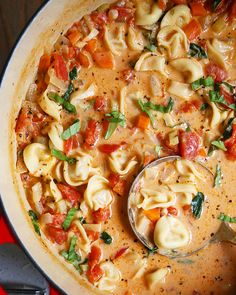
157,276
83,93
179,15
216,52
179,89
171,233
54,134
111,277
98,194
174,40
121,163
147,13
115,38
135,39
49,106
38,159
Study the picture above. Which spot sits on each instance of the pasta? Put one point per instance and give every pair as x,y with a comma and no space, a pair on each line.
54,134
78,95
179,89
115,39
147,13
111,277
50,107
121,163
179,15
135,39
157,276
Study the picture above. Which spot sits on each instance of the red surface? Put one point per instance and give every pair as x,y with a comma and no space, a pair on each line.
6,236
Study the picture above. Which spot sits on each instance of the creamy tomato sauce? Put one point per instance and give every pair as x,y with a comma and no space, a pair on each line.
132,82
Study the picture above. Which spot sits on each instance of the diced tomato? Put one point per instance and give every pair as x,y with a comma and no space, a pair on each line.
94,274
148,159
94,256
60,67
172,211
232,11
69,52
186,208
125,14
101,214
120,252
128,75
108,148
58,219
92,235
179,1
69,193
189,144
113,179
91,46
44,64
56,235
143,122
92,133
99,18
192,29
227,95
162,4
100,103
202,152
105,125
120,187
83,59
231,153
71,144
74,37
104,59
174,148
232,140
198,9
216,72
153,214
191,106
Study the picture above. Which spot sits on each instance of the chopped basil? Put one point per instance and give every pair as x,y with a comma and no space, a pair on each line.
229,86
151,251
68,92
115,118
60,100
185,261
197,51
206,82
219,144
106,238
215,4
61,156
228,129
218,176
151,47
188,129
34,218
216,97
82,220
197,204
72,130
73,74
204,106
196,84
158,149
227,218
232,106
110,130
70,215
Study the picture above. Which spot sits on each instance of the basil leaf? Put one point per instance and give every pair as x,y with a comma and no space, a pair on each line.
207,82
204,106
73,74
230,87
110,130
232,106
72,130
146,111
116,117
160,108
197,204
61,156
228,129
82,220
218,176
106,238
215,4
219,144
216,97
61,101
227,218
69,217
151,47
68,92
72,255
151,251
34,219
197,51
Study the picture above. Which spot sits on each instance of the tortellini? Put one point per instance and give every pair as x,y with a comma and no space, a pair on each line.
49,106
150,61
174,40
183,188
186,167
153,198
111,277
179,15
81,94
98,194
121,163
218,116
54,134
170,233
147,13
179,89
115,38
37,193
83,241
190,68
157,276
38,159
216,52
135,39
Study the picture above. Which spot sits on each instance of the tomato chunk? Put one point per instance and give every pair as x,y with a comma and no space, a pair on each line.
94,274
216,72
172,211
60,67
71,144
92,235
179,1
227,95
120,252
198,9
153,214
230,144
92,133
44,64
189,144
94,256
69,193
100,103
104,59
91,46
192,30
58,219
101,214
108,148
56,235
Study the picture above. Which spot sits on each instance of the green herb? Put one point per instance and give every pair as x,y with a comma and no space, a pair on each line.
219,144
82,220
188,129
185,261
204,106
229,86
232,106
158,149
197,204
34,218
72,130
106,238
70,215
196,84
151,251
215,4
218,176
228,129
227,218
61,156
73,74
206,82
197,51
68,92
151,47
60,100
71,256
115,118
216,97
110,130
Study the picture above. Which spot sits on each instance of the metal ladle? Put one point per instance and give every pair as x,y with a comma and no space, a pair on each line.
223,234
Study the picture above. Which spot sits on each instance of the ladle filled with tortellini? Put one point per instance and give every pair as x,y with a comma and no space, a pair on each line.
170,207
